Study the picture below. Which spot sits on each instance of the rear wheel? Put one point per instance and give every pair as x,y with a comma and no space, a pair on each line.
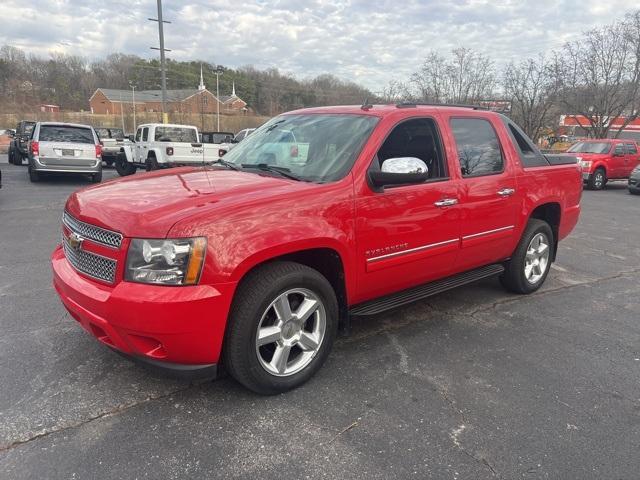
530,263
123,167
281,327
151,164
17,157
34,176
598,180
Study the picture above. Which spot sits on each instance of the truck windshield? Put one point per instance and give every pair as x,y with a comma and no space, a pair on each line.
117,133
176,134
314,147
63,133
590,147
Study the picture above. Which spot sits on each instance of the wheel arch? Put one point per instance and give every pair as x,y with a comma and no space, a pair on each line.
326,260
549,212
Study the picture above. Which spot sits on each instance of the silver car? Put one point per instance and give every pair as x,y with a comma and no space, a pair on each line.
64,148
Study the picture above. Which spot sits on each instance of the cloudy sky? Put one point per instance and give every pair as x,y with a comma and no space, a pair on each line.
367,41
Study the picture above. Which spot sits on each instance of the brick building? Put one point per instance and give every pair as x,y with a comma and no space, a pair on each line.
200,100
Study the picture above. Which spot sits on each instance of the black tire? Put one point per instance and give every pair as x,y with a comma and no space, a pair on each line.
597,180
96,177
109,163
151,164
253,298
10,154
123,167
634,192
514,278
17,157
34,176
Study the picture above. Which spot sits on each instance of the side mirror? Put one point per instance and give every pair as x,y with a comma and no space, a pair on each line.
132,138
12,134
400,171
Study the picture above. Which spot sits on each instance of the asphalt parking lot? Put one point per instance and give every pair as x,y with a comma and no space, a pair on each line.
474,383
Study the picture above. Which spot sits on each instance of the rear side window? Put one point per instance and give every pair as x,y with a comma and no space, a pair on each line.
63,133
478,147
632,149
176,134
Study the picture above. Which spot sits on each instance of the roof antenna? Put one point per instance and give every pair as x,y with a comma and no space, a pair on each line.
366,105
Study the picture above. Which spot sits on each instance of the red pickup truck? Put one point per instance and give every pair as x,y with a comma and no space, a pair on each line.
605,159
323,213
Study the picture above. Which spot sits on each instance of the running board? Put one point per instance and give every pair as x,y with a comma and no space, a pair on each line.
411,295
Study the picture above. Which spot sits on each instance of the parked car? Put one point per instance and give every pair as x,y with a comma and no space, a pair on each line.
254,264
605,159
242,134
158,145
18,148
112,141
64,148
634,181
224,140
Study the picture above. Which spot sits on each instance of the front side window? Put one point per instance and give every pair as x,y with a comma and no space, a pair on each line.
145,134
139,134
619,149
176,134
478,147
416,138
67,134
313,147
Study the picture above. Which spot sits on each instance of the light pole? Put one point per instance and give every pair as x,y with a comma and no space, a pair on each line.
218,72
163,69
133,104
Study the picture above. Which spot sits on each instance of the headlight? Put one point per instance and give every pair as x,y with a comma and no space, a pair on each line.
585,163
166,262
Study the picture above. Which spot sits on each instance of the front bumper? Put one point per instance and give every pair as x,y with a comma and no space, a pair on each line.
176,329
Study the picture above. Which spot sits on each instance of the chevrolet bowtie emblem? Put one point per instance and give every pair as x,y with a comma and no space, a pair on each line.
75,241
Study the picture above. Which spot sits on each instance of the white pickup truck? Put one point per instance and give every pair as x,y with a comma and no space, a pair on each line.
158,145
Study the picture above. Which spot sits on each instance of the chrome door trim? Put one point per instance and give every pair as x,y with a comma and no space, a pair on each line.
411,250
488,232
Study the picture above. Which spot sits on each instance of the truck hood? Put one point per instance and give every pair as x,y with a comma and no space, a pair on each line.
148,205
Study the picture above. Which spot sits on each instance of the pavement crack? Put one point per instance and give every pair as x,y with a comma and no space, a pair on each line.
115,411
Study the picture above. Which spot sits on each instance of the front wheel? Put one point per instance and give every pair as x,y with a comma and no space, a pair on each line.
281,328
598,180
123,167
530,263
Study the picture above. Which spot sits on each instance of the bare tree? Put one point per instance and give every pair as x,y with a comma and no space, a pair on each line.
598,76
465,77
531,89
395,92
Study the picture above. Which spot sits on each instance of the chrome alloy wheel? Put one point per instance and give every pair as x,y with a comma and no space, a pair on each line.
598,179
290,332
537,258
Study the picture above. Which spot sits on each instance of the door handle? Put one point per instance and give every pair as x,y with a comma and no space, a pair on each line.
446,202
506,192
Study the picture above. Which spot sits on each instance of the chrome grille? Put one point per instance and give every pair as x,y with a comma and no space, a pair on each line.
95,266
91,232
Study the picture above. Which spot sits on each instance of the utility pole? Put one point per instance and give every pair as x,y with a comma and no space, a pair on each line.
121,112
218,72
133,104
163,69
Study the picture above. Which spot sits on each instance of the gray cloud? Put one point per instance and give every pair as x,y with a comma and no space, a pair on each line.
367,41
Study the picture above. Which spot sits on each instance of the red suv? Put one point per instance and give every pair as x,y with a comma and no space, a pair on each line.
318,215
605,159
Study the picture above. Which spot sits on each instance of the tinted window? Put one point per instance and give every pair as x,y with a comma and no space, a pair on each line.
61,133
145,134
176,134
631,148
478,147
102,132
417,138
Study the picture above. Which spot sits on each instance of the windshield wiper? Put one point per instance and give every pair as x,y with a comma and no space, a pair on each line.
230,165
283,171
